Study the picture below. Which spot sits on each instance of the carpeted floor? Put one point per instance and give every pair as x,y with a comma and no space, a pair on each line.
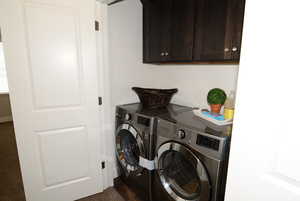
11,186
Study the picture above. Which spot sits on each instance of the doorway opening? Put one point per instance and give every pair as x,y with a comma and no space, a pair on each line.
11,185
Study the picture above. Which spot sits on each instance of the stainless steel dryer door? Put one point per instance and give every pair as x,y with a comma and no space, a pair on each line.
182,174
129,147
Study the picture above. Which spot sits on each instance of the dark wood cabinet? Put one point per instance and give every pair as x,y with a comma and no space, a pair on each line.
182,30
210,29
192,30
234,29
157,30
166,34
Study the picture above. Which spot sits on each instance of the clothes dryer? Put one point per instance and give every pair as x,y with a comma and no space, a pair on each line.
191,160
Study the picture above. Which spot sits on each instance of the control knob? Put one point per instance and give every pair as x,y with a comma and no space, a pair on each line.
181,134
127,117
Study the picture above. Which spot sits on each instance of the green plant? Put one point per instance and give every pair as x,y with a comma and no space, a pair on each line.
216,96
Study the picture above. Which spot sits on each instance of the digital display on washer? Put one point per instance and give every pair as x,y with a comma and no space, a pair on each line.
143,121
208,142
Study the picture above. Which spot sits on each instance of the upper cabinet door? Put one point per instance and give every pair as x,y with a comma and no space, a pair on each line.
210,26
157,30
192,30
182,35
168,31
234,29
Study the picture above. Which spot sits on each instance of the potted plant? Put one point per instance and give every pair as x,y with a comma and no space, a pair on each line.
216,98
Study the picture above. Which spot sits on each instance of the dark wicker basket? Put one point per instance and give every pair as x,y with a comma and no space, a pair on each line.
154,98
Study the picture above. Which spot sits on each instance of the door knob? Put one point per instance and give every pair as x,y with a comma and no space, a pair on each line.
162,54
166,53
226,49
234,49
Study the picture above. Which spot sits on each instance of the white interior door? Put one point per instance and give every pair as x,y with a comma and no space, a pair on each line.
51,59
264,162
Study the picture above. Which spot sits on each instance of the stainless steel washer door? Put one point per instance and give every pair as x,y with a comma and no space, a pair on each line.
129,147
182,174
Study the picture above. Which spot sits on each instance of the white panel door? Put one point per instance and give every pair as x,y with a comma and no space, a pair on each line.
264,162
51,59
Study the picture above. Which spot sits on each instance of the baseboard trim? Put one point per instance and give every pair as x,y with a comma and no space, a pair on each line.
6,119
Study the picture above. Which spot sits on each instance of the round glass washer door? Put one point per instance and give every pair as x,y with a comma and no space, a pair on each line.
181,173
129,147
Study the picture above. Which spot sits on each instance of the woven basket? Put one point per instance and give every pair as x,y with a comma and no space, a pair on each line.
154,98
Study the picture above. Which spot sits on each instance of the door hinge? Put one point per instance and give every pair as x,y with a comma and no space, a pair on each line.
100,100
103,165
97,25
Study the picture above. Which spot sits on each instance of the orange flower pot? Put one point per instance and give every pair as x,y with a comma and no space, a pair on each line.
215,108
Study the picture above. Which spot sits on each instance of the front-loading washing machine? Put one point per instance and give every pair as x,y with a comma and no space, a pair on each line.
135,134
191,160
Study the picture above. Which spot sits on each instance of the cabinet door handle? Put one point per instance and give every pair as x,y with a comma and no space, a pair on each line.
226,49
162,54
166,53
234,49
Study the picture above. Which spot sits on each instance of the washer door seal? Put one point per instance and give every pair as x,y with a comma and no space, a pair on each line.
181,173
129,148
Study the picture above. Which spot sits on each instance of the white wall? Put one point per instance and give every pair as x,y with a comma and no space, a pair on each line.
5,109
3,77
127,70
264,157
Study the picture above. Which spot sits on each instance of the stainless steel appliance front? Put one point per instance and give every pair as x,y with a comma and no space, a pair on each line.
182,173
129,147
190,164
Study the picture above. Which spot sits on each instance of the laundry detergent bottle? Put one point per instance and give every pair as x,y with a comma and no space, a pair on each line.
229,106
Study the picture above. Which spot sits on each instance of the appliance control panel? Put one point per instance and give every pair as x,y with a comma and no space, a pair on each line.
181,134
127,117
211,145
143,121
205,143
208,142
